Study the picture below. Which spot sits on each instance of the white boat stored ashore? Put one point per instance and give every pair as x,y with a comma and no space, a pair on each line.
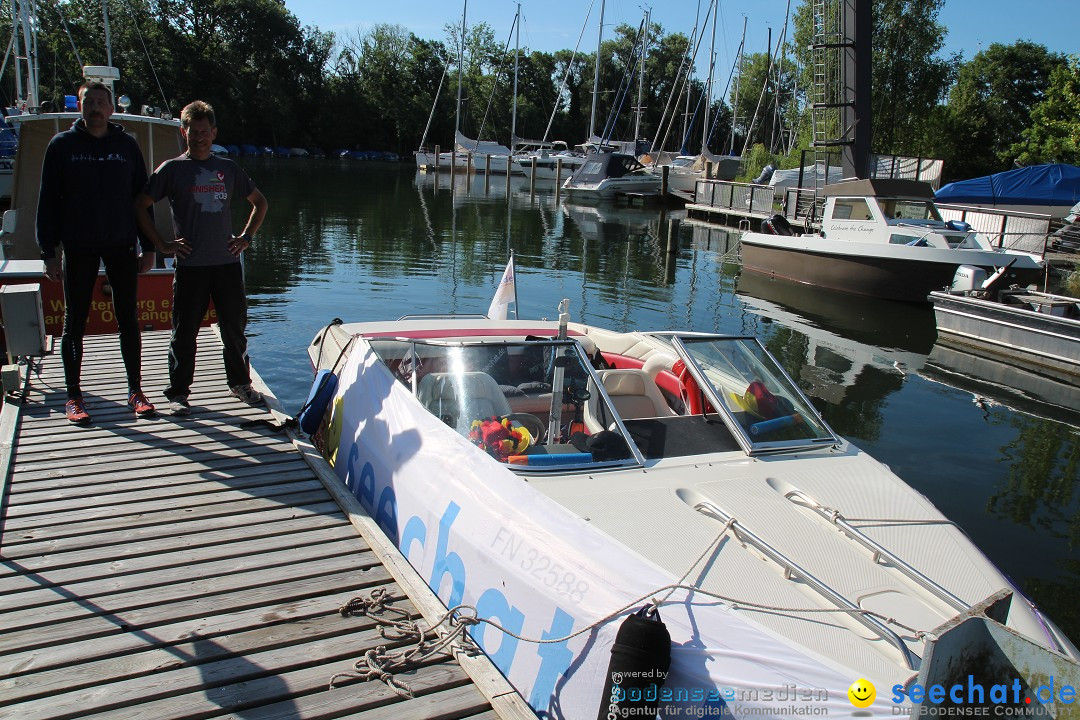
881,238
555,476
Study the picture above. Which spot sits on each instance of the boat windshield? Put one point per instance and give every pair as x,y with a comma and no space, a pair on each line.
532,404
746,386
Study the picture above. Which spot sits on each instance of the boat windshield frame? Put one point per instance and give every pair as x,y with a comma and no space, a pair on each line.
790,412
558,348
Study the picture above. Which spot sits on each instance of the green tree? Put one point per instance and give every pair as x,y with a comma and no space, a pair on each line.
991,104
1054,132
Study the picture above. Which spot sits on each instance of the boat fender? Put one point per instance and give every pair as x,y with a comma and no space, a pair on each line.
318,399
640,658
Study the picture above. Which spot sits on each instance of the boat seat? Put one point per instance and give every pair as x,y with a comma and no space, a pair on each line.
634,395
459,398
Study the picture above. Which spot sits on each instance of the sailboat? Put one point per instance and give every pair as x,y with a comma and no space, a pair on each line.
487,156
158,136
609,169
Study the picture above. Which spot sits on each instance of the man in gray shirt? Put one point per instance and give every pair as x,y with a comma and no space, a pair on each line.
200,188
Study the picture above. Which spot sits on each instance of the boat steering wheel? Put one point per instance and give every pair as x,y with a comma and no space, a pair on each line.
531,423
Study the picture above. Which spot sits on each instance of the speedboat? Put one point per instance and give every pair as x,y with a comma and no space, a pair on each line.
607,174
557,476
881,238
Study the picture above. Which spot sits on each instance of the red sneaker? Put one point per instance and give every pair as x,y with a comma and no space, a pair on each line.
138,402
76,412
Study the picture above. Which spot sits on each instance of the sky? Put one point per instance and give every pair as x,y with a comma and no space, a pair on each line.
551,25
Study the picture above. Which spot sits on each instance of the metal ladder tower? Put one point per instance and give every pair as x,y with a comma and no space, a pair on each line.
840,96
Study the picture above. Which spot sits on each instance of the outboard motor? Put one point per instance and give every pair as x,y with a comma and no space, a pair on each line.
776,225
968,278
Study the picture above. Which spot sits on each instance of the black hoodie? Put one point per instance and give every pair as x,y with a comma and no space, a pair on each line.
87,188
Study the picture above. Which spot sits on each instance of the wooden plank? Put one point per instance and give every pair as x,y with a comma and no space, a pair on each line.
440,704
239,697
36,533
123,486
225,683
182,538
109,594
16,523
166,624
60,548
164,565
317,621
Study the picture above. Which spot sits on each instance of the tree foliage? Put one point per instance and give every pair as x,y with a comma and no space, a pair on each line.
275,82
991,104
1054,132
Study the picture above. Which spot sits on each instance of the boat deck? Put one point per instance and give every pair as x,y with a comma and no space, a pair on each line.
193,567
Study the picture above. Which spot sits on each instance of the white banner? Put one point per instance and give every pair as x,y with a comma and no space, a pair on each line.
480,535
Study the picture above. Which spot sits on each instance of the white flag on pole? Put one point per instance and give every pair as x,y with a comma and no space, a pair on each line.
505,294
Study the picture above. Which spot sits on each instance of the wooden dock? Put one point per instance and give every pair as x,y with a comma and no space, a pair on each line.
191,567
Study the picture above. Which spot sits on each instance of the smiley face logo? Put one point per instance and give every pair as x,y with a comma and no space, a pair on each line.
862,693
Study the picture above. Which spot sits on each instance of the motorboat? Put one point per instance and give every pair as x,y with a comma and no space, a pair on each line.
555,476
881,238
685,170
607,174
549,162
1040,330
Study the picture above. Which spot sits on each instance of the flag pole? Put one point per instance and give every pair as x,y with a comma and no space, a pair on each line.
514,266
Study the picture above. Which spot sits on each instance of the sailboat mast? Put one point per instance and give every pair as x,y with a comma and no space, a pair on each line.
108,41
738,82
641,75
596,73
708,84
460,72
517,53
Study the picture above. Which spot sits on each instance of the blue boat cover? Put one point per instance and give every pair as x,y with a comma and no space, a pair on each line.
1036,185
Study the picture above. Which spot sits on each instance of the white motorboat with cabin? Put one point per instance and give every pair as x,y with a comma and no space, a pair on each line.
882,238
555,476
607,174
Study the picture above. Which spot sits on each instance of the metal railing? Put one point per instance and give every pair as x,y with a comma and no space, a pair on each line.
793,570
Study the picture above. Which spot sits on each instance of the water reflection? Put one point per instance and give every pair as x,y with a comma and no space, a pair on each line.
365,241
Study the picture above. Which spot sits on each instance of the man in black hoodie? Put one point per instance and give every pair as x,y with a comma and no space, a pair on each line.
89,177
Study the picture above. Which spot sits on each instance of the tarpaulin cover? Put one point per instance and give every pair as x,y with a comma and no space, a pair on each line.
1037,185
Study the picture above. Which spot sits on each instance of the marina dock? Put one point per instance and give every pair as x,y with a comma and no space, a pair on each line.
183,567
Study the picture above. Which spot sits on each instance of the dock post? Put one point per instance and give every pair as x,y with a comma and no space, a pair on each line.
437,149
508,179
558,178
453,166
468,165
532,178
708,169
664,169
487,172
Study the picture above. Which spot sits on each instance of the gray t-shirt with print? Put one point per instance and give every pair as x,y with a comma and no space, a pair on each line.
201,193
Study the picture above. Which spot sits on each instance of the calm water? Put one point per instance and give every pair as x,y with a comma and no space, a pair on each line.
371,241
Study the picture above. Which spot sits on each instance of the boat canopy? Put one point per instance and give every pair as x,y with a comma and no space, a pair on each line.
881,188
602,165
